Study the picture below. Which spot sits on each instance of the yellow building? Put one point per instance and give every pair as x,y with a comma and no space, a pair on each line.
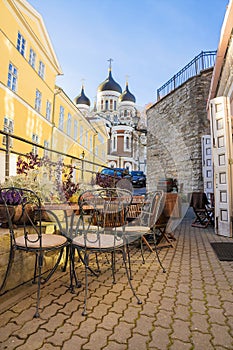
31,105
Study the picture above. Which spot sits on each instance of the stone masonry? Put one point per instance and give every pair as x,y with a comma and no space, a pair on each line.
175,126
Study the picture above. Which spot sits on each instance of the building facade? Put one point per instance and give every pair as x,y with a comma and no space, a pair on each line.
117,109
32,106
220,114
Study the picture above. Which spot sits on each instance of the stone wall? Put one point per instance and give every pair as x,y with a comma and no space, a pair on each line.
175,126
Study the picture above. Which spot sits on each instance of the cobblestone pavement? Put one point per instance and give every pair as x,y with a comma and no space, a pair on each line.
188,307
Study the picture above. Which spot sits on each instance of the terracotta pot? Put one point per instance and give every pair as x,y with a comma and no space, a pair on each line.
3,214
23,217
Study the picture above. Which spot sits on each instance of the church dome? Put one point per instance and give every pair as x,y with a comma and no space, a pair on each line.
110,84
127,96
82,99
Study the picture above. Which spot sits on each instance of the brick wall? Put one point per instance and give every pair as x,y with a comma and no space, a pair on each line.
175,126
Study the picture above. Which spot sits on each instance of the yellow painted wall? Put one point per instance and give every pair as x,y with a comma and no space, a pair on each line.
19,106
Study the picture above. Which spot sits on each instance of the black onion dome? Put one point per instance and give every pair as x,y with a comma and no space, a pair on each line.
82,99
110,84
127,96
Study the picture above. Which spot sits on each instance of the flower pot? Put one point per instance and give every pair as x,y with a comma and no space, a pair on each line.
25,216
3,214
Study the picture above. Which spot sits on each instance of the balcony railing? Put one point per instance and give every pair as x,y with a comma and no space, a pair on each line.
204,60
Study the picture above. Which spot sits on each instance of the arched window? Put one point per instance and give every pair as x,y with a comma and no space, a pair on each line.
102,105
114,142
115,105
127,141
106,105
111,105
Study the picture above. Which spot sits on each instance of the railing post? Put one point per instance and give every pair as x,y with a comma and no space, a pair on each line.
7,157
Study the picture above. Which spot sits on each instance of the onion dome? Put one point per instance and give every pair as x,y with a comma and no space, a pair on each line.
82,99
127,96
110,84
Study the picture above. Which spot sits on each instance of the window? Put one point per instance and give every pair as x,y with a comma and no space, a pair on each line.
102,105
127,142
32,58
46,145
12,77
114,142
35,139
21,43
48,110
41,69
86,139
81,134
111,105
106,105
75,129
91,143
38,101
69,120
8,127
115,105
61,118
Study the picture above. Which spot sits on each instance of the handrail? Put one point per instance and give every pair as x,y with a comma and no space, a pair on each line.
8,151
204,60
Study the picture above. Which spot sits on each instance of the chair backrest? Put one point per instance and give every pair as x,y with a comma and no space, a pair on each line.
151,209
108,206
198,200
20,207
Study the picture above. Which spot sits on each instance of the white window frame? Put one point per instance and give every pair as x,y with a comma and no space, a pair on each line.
69,122
46,145
48,110
21,43
12,78
41,69
61,118
75,129
8,126
35,139
38,101
127,141
32,58
81,134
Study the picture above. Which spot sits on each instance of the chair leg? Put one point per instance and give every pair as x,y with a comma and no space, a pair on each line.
157,254
9,264
54,268
85,259
39,258
73,275
66,259
124,255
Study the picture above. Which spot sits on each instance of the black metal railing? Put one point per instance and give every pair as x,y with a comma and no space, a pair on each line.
84,165
204,60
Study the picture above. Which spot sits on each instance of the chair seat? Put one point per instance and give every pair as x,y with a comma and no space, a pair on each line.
100,241
48,241
129,229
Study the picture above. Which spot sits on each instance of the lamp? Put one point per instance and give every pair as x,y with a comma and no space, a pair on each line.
82,156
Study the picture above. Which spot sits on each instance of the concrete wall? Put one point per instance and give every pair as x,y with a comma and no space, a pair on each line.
175,126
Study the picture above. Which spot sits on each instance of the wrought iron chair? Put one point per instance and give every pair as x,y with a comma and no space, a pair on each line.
202,209
32,238
144,225
100,231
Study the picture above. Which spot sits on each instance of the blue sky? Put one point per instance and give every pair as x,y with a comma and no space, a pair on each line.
148,40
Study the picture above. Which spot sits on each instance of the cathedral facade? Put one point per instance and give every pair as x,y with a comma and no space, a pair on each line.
117,109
